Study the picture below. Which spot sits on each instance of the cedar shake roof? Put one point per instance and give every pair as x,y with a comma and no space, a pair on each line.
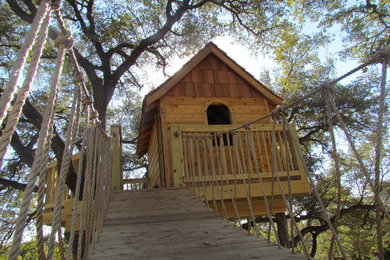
150,102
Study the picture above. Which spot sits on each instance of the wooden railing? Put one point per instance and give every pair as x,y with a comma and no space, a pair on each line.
117,181
136,184
226,166
51,191
52,180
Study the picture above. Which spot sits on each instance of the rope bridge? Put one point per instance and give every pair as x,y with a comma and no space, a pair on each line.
225,169
95,153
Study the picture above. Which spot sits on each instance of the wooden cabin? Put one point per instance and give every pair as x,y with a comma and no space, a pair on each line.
212,93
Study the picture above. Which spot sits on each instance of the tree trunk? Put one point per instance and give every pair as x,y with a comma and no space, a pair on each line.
282,229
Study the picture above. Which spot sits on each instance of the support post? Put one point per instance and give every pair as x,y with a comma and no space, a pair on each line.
282,229
177,165
117,172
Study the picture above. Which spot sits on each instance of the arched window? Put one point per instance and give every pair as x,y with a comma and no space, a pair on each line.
219,114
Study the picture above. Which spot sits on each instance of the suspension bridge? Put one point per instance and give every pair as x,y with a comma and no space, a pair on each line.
204,179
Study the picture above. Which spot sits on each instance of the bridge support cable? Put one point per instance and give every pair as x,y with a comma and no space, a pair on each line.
257,170
288,203
44,140
98,160
73,127
225,173
317,195
385,59
290,195
217,183
43,11
357,155
335,159
78,182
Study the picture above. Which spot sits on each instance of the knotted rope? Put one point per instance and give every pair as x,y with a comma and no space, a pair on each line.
78,181
73,127
29,41
14,114
64,41
41,152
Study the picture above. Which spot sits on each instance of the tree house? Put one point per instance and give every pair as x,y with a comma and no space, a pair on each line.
212,93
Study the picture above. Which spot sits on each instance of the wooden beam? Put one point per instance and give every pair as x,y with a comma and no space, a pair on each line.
117,171
176,157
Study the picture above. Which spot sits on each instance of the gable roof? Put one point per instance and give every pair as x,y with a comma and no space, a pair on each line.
150,102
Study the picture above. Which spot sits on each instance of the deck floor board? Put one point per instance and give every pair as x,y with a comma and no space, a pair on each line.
172,224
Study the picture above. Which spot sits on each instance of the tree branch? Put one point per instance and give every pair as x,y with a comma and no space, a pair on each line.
26,154
324,227
14,184
152,39
20,12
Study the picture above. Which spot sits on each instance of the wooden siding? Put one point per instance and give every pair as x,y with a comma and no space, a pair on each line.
212,78
153,160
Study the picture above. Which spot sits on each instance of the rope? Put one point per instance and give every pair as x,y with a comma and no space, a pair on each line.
41,190
192,169
13,120
316,193
70,140
200,173
288,205
378,149
10,90
61,244
78,185
241,171
216,179
14,114
206,166
290,196
99,190
335,158
91,195
272,185
37,35
253,151
40,153
82,246
356,153
63,27
224,170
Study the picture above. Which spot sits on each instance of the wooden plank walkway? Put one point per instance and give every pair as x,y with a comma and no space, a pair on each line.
173,224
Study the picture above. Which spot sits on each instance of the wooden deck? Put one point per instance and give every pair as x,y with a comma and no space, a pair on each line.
172,224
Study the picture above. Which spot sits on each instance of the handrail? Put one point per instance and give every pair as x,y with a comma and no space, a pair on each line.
136,183
220,167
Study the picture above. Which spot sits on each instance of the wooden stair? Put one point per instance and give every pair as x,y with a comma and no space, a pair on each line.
173,224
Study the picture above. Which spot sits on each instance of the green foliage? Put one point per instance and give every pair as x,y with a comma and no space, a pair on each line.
28,251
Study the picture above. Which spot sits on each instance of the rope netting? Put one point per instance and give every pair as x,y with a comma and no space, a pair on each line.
94,167
242,150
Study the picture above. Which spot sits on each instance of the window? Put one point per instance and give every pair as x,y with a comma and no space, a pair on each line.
220,115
